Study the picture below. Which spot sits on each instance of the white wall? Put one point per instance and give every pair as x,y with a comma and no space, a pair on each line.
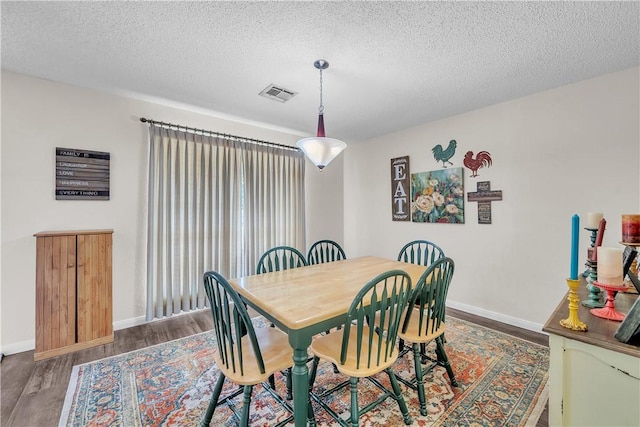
39,115
569,150
324,202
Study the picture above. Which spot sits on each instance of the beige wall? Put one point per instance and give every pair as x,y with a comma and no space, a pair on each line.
569,150
39,115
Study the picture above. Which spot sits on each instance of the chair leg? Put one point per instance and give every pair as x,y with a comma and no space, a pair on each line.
399,398
355,411
313,372
213,402
419,379
444,360
400,345
289,381
272,381
311,418
246,405
423,352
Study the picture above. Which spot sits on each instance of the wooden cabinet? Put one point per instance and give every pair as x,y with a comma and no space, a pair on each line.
594,379
73,291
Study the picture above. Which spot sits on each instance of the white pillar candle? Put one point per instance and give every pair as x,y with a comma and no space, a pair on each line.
609,265
593,219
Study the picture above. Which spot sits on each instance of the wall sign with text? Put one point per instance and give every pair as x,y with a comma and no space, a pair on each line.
484,196
400,189
82,174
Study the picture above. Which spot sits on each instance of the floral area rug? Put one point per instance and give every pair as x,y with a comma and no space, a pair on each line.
502,382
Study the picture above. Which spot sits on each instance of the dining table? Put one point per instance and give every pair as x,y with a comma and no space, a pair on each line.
310,300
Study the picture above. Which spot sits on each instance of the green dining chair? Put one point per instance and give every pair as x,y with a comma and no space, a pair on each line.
280,258
276,259
420,252
245,355
325,251
366,345
424,322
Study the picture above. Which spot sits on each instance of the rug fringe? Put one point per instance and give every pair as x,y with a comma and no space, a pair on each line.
538,409
69,398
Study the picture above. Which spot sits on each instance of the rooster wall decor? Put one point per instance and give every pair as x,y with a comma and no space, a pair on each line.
444,155
482,160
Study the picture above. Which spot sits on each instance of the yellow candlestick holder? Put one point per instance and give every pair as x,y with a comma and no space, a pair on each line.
572,322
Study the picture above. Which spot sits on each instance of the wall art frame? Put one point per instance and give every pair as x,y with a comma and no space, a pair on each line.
82,174
438,196
400,189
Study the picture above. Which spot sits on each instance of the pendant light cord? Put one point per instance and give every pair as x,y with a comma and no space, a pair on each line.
321,107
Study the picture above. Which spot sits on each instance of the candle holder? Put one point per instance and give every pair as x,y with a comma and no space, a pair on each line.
594,234
594,300
609,310
632,268
573,322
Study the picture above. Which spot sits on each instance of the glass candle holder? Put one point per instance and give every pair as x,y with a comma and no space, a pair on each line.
630,228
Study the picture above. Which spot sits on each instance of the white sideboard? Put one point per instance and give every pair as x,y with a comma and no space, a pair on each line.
594,379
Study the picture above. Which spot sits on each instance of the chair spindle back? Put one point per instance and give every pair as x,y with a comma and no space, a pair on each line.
430,296
387,296
280,258
231,322
422,252
325,251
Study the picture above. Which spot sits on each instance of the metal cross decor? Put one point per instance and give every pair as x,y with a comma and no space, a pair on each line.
484,196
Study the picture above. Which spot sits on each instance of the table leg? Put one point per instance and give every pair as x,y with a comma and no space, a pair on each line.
300,374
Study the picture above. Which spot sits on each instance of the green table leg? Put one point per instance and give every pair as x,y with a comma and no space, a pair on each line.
300,374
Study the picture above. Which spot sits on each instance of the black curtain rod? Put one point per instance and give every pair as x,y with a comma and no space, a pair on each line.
223,135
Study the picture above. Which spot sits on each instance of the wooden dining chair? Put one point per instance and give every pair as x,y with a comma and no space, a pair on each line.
366,345
420,252
325,251
425,322
276,259
280,258
245,355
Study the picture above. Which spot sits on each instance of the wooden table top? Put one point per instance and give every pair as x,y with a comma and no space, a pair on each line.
305,296
600,331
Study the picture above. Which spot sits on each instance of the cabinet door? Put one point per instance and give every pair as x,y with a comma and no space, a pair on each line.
55,292
591,386
94,286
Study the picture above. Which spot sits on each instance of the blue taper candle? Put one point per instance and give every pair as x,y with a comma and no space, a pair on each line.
575,225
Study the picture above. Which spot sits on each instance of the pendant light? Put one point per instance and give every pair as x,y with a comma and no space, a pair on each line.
320,149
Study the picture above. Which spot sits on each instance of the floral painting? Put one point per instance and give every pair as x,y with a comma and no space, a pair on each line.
438,196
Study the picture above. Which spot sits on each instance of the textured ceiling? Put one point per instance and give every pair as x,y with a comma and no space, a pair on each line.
392,64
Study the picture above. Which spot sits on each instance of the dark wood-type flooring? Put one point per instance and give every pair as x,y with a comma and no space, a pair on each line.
33,393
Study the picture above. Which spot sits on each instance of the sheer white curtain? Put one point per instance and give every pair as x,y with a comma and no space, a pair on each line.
215,204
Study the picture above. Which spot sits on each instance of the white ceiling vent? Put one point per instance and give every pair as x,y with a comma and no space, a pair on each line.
277,93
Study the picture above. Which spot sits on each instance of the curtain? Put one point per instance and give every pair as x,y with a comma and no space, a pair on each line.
215,203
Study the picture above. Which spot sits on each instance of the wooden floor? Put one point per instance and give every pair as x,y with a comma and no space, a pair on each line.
33,392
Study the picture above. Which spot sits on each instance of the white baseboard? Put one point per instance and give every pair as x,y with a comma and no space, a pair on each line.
18,347
509,320
128,323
